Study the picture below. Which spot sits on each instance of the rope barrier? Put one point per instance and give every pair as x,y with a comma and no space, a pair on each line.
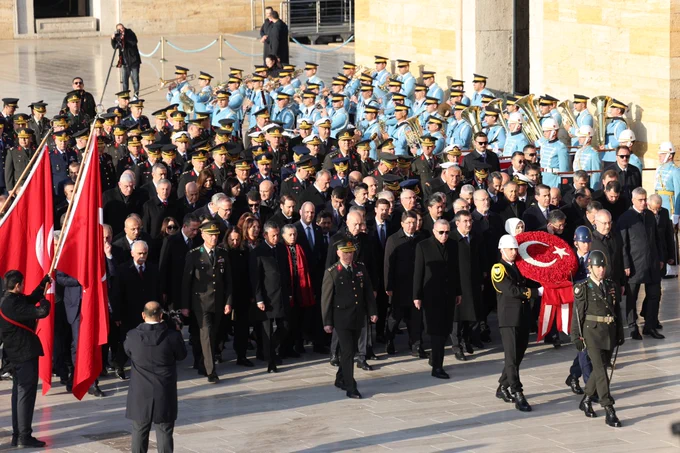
154,51
191,51
311,49
242,53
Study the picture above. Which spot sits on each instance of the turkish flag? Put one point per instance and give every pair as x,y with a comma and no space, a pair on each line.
81,255
26,233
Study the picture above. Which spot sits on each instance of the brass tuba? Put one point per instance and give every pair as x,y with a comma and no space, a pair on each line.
532,128
497,104
413,131
472,116
567,114
601,104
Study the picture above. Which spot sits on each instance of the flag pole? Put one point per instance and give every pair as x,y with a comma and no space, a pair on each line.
28,168
70,206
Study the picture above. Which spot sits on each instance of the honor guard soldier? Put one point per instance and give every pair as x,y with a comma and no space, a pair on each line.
627,139
203,95
615,125
554,154
667,180
373,132
514,320
17,158
339,116
458,86
516,140
479,86
398,141
38,123
106,168
494,130
433,90
434,129
346,301
459,132
597,327
583,117
586,158
221,109
206,291
282,113
381,73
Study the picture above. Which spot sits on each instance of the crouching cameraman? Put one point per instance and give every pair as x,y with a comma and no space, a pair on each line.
154,348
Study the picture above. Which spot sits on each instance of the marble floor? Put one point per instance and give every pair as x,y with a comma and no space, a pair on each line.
298,409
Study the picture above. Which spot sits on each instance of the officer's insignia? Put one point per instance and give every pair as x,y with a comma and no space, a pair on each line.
498,272
577,290
339,267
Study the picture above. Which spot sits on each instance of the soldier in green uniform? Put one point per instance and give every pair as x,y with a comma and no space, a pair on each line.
346,300
206,290
596,325
514,320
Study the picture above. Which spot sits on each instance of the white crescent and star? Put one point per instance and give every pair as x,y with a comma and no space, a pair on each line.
522,250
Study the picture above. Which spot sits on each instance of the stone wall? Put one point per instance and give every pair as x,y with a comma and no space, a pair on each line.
7,12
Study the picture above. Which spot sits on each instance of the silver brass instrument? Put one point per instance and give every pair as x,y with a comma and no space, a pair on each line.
567,113
472,116
601,104
497,104
532,128
413,131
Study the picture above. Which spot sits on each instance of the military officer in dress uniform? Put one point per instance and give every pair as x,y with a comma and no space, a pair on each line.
295,184
219,166
123,99
398,141
18,156
373,130
667,180
346,301
199,160
340,178
514,320
221,109
339,116
425,166
206,290
9,106
583,117
282,113
136,118
106,168
586,158
554,154
597,327
60,158
38,123
479,86
135,161
615,126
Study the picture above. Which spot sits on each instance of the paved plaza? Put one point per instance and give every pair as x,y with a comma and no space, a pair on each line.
298,409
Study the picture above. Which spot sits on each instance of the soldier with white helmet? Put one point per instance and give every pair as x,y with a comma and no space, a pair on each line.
514,320
667,180
586,157
554,154
515,140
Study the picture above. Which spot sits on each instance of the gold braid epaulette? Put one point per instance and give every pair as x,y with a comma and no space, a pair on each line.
497,275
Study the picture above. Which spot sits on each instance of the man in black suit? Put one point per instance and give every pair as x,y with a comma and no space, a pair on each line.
380,230
256,208
517,164
324,220
614,200
121,201
337,207
665,230
436,289
576,211
642,264
286,214
132,232
579,181
270,280
154,347
189,202
509,206
628,175
608,241
317,193
206,291
137,282
400,254
536,217
480,154
159,171
436,205
156,209
173,253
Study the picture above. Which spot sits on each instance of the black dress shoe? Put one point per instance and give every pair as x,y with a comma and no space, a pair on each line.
120,374
439,373
370,355
389,348
213,378
354,394
572,382
504,394
557,343
659,326
30,442
460,356
335,361
340,384
611,419
419,353
587,407
635,334
653,333
521,403
244,362
363,365
468,347
271,368
15,438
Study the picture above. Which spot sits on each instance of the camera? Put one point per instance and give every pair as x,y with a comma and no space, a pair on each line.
174,318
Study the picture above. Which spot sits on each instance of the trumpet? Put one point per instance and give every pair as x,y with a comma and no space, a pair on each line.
163,83
358,71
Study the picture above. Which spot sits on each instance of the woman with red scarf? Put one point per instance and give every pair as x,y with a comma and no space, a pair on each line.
299,315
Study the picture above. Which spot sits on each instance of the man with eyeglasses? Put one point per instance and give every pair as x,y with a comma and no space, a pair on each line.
436,289
517,164
87,102
628,175
480,154
608,240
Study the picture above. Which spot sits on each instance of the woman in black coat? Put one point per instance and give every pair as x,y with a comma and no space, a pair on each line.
436,289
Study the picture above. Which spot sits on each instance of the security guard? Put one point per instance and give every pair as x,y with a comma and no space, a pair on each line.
667,179
346,301
615,126
586,158
596,325
206,291
554,154
514,320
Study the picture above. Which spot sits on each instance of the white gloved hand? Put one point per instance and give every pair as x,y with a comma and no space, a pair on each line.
675,219
540,291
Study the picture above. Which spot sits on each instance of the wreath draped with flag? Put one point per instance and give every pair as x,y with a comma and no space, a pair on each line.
550,261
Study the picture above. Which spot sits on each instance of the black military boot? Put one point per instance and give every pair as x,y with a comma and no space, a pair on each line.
572,382
587,407
611,419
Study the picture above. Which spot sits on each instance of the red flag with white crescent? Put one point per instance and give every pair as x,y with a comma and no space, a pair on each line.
26,234
549,260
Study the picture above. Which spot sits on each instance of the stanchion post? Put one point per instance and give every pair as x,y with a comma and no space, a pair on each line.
221,58
163,60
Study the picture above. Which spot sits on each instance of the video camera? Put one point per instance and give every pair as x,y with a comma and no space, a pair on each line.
174,318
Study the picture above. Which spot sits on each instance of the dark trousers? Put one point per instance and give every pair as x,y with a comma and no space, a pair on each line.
195,340
650,305
600,380
414,324
515,341
462,332
121,356
241,331
208,328
61,358
581,366
360,348
438,342
347,339
111,345
128,72
24,390
382,302
140,437
272,338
